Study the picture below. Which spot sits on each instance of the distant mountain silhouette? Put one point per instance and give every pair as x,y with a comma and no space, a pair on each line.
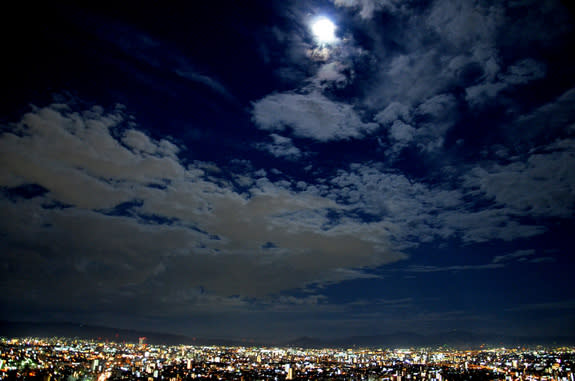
93,332
33,329
463,339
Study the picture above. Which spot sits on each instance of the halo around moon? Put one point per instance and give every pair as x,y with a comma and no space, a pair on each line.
324,30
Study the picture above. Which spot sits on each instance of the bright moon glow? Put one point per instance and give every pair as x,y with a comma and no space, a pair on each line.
324,30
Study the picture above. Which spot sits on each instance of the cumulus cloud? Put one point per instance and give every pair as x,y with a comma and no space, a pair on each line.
461,52
392,112
74,156
439,114
124,214
100,220
402,132
408,208
414,212
311,116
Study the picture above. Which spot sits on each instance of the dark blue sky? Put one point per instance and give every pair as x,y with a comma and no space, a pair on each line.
212,169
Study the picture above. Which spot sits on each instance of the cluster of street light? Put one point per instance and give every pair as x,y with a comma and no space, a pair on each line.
73,359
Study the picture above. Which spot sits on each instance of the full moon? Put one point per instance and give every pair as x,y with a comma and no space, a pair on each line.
324,30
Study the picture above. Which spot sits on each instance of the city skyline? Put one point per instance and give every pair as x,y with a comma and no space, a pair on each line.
43,358
278,169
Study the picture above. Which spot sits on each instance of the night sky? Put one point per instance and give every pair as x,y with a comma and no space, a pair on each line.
216,169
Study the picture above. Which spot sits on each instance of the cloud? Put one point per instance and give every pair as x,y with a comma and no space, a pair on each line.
408,209
549,306
489,224
281,147
122,219
440,114
414,212
463,22
449,44
157,53
549,121
394,111
432,269
541,185
332,72
402,132
124,213
438,107
310,116
497,262
368,7
520,255
524,71
520,73
74,156
547,21
188,73
140,142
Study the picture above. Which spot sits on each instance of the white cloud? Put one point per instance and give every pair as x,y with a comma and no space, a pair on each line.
413,212
75,157
368,7
311,116
332,72
409,210
215,238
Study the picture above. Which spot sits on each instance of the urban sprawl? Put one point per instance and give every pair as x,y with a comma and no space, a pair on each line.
51,359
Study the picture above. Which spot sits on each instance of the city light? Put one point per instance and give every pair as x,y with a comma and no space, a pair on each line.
65,359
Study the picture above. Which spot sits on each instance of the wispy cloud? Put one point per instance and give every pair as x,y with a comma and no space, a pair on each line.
432,269
549,306
518,255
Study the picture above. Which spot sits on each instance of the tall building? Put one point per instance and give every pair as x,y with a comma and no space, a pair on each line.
289,374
